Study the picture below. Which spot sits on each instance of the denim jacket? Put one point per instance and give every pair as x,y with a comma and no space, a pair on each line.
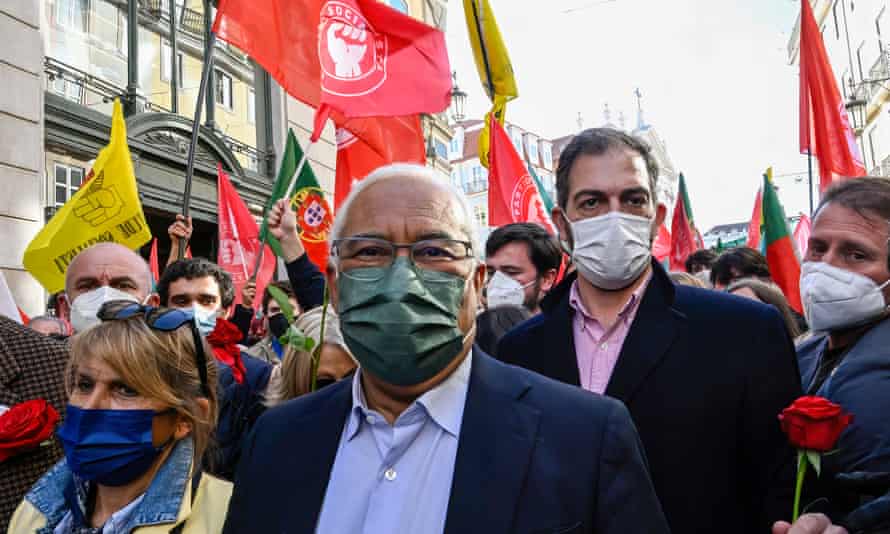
167,502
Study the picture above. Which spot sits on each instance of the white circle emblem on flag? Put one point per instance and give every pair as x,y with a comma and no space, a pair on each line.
525,205
351,53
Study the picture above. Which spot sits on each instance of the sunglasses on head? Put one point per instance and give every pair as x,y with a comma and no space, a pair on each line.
163,320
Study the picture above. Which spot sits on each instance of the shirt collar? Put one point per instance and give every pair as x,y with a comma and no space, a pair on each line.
444,403
626,311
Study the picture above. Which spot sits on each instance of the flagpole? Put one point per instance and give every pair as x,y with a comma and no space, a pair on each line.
196,127
290,189
293,181
810,179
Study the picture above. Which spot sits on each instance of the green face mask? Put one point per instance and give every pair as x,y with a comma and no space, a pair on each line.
401,327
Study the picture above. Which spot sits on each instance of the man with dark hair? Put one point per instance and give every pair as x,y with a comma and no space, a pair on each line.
274,324
196,283
845,290
207,289
522,261
703,374
737,263
701,261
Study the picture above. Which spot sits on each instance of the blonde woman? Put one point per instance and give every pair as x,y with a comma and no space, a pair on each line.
142,407
293,377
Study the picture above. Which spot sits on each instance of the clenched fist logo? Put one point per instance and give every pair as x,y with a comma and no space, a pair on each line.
347,46
100,203
352,55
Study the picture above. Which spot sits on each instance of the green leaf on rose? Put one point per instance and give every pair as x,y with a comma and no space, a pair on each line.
283,302
815,460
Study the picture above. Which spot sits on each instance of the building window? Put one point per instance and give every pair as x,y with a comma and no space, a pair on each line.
516,134
547,155
67,182
69,89
441,149
532,144
455,145
399,5
481,216
251,106
224,90
166,52
72,14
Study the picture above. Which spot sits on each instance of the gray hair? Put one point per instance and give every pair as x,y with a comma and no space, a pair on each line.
424,176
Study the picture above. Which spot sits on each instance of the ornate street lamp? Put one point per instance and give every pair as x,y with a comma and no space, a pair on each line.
458,100
856,111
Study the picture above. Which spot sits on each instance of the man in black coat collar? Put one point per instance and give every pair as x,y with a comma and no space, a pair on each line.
703,374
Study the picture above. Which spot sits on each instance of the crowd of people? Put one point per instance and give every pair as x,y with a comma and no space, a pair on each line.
425,383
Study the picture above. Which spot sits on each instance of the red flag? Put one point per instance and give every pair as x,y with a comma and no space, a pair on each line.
374,143
802,234
825,130
360,57
512,193
661,248
153,260
756,222
239,240
682,237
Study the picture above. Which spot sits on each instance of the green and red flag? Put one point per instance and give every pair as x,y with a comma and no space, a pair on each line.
784,265
756,222
684,194
314,215
683,239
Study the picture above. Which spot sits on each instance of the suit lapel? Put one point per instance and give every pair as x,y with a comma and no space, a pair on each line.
559,360
497,438
649,339
316,460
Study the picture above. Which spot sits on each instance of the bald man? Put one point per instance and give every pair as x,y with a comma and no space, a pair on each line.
103,272
431,435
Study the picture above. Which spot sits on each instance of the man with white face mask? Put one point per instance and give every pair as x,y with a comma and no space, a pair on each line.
103,272
521,262
845,290
704,375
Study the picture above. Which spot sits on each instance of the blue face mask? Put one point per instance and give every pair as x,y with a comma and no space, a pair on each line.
206,320
109,447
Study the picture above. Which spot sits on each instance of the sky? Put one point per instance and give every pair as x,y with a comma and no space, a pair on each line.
714,75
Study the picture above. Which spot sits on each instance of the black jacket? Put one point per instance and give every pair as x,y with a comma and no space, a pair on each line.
704,375
534,456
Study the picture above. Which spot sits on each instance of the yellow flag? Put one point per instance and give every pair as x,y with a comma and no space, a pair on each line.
105,209
493,64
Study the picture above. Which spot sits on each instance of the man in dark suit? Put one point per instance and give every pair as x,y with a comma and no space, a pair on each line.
703,374
32,366
431,435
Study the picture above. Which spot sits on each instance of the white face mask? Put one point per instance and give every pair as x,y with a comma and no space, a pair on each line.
612,251
504,291
85,307
205,320
835,299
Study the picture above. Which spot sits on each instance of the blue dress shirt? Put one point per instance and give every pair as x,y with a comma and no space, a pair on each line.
395,479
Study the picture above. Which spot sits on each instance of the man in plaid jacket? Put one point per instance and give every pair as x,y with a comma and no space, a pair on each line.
32,366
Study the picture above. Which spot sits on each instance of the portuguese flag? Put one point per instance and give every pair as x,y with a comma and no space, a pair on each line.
784,266
314,215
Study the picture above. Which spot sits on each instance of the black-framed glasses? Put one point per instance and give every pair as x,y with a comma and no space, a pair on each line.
161,319
374,256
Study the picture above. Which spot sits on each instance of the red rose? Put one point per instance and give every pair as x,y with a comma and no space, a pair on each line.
814,423
25,426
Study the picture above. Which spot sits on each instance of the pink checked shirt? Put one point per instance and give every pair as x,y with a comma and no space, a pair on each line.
597,349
